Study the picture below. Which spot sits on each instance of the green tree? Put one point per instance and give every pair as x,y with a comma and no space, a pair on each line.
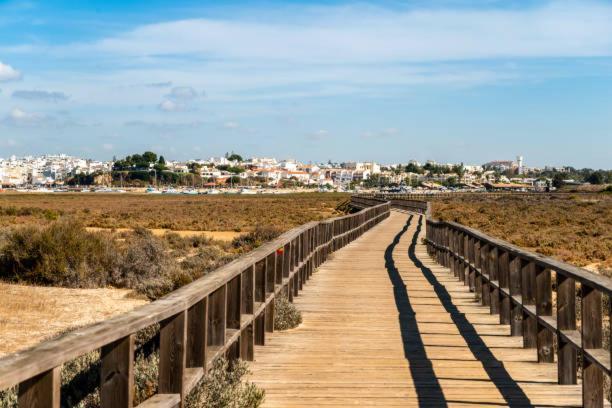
597,177
558,179
235,157
149,157
195,168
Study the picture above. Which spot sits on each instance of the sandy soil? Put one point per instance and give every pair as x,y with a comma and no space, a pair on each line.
219,235
31,314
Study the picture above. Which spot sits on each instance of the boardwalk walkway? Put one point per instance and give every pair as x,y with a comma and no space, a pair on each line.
386,326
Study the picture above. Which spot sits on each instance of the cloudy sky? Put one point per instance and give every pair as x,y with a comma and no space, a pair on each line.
451,80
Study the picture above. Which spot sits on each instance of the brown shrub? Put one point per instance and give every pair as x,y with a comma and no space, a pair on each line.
255,238
62,253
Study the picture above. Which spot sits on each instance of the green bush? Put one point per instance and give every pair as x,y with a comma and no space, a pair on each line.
286,315
225,387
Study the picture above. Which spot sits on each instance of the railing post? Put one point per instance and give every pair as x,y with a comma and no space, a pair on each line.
566,321
592,376
477,271
503,272
495,300
41,391
528,285
516,314
544,308
216,317
172,356
234,303
117,374
197,334
472,267
484,268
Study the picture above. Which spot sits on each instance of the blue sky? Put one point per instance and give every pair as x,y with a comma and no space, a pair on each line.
452,80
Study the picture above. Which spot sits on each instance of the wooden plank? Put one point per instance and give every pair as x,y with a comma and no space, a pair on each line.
172,355
566,321
528,287
503,269
162,401
197,319
418,349
247,343
234,303
117,374
217,317
516,314
248,290
592,376
546,353
41,391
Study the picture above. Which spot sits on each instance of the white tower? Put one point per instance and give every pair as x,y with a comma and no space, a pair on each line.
519,161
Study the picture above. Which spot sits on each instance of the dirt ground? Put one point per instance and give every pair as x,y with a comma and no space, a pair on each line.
227,236
31,314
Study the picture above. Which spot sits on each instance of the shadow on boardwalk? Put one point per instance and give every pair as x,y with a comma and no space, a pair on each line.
499,376
428,389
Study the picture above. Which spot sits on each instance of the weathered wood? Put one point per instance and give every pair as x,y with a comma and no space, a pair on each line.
270,272
493,275
41,391
233,351
409,345
259,328
592,376
217,317
234,303
197,333
503,270
248,291
484,268
260,281
528,285
162,401
566,320
172,355
270,317
247,344
543,305
516,313
117,374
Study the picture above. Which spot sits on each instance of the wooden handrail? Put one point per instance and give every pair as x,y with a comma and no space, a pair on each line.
226,312
519,285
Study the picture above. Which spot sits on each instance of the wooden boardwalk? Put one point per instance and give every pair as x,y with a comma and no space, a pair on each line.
384,325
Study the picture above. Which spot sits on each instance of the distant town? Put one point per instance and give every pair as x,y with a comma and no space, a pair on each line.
156,174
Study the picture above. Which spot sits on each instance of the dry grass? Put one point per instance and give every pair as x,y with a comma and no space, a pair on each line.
30,314
575,229
187,213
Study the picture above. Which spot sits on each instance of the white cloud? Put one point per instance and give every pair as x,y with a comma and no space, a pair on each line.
45,96
108,146
171,106
367,34
183,93
8,73
19,117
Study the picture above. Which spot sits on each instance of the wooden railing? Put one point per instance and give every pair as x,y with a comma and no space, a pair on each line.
536,295
226,312
417,206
